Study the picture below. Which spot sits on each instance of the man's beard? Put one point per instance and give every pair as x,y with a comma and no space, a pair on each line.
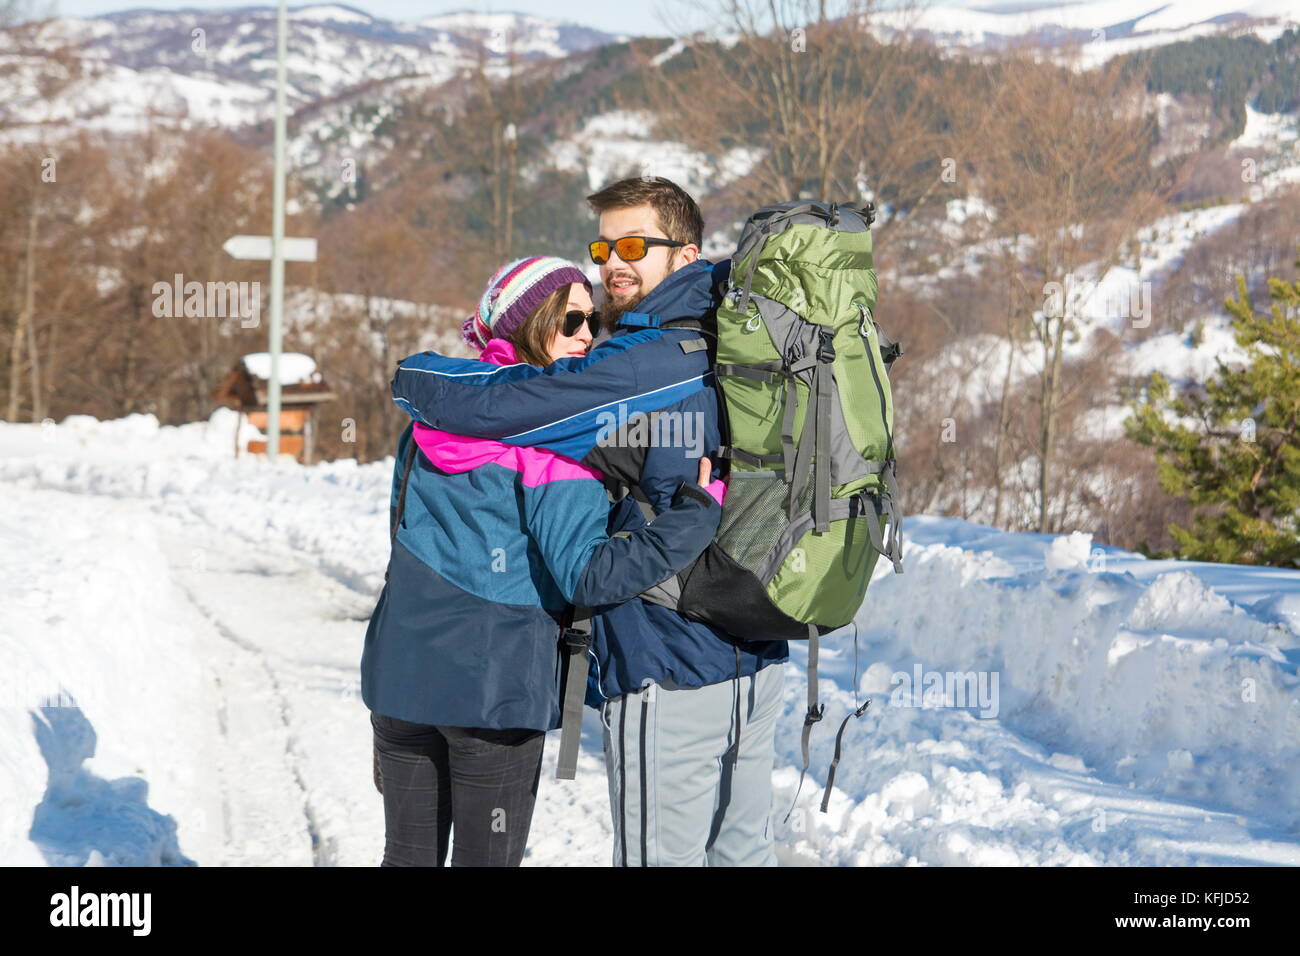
611,311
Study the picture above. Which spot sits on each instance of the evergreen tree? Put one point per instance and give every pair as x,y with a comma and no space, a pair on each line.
1232,448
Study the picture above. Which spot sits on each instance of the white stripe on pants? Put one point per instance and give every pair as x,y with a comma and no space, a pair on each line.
677,794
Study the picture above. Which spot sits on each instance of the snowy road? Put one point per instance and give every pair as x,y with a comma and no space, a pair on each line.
283,641
208,617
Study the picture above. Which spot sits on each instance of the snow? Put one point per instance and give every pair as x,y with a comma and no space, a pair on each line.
295,368
1272,145
330,12
1153,15
207,615
1105,22
136,81
1267,130
618,143
1177,357
506,32
90,618
1117,300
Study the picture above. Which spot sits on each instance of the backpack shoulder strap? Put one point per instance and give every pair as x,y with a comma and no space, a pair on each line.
575,631
401,494
401,503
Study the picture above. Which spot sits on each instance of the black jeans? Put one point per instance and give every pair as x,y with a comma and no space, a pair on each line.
484,782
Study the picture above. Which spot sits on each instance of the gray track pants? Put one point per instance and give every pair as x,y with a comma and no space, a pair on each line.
677,794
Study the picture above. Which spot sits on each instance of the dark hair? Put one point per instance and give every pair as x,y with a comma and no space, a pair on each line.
678,214
532,339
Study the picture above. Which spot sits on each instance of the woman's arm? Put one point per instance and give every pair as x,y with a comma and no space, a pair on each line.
567,521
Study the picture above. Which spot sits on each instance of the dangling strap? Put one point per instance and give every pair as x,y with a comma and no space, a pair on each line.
814,714
736,756
835,762
894,550
575,624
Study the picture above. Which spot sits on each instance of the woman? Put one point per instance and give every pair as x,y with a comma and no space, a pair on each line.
462,662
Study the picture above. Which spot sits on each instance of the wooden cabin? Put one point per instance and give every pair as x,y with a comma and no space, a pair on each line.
302,389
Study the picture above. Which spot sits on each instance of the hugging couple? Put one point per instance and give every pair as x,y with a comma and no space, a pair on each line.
501,505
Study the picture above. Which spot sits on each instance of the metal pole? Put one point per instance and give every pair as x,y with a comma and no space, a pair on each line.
277,241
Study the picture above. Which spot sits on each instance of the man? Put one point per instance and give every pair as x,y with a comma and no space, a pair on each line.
689,712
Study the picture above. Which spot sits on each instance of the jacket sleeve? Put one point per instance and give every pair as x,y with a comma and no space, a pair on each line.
569,407
476,398
668,463
593,569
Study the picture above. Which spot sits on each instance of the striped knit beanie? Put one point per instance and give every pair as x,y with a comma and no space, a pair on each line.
513,292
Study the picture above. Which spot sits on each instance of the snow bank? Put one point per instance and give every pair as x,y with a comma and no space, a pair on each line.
1100,669
102,692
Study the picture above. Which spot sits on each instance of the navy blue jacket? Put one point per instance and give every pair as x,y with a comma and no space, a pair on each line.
572,407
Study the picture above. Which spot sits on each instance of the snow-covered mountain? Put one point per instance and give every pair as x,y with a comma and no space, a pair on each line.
526,35
218,66
1107,27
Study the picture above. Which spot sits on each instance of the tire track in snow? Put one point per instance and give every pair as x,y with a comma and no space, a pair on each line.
323,848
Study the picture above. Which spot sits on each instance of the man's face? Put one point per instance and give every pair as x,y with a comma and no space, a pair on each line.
627,283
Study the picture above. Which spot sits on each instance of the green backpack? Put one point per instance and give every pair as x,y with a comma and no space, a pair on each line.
803,371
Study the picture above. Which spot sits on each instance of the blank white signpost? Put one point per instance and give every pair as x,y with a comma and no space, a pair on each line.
293,248
275,247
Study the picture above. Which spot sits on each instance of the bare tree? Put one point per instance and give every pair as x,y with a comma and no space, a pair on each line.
22,334
1062,158
828,108
45,62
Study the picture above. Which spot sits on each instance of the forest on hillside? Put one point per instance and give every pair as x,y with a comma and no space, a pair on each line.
1056,171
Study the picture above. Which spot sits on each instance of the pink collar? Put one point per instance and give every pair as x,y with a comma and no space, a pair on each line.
458,453
499,352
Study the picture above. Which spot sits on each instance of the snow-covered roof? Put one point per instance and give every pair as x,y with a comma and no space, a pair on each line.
295,368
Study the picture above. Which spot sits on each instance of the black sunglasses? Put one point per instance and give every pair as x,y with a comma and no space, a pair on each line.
573,321
629,248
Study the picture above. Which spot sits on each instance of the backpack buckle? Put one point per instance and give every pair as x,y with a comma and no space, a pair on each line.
826,347
576,640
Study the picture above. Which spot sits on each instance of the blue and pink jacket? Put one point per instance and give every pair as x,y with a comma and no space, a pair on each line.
493,542
648,366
